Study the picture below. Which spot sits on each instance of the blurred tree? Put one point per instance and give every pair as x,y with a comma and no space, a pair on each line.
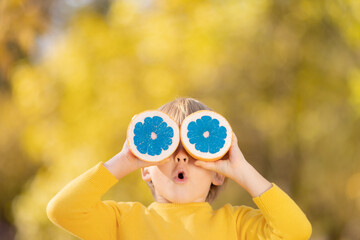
285,74
20,22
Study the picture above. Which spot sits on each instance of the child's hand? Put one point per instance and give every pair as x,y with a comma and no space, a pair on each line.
231,165
126,162
238,169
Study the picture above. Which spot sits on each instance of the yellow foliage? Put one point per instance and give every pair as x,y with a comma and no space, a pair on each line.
285,82
354,87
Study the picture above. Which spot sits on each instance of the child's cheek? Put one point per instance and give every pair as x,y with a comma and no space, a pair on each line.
202,174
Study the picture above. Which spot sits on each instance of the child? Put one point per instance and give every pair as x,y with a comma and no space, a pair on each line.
181,209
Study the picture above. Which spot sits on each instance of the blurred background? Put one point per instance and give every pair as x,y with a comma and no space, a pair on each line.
286,75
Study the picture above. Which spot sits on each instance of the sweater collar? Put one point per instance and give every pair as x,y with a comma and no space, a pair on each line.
198,205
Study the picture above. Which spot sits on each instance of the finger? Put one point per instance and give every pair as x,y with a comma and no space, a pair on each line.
234,142
234,139
143,163
163,161
234,148
207,165
126,145
147,164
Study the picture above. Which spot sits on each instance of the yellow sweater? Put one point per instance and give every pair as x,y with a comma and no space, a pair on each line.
78,208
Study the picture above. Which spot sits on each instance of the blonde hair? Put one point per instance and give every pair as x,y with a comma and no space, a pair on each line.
179,109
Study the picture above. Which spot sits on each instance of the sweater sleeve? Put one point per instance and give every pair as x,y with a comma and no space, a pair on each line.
78,207
278,217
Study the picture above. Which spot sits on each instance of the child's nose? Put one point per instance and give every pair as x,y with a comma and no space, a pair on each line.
182,159
181,155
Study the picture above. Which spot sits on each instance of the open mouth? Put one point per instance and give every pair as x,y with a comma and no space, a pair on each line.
180,177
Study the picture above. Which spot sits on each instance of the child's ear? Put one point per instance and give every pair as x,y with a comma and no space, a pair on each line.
218,179
145,174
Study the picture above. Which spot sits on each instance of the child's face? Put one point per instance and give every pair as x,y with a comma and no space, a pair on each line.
179,180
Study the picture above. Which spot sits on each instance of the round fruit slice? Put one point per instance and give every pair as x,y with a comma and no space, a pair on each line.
206,135
153,136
